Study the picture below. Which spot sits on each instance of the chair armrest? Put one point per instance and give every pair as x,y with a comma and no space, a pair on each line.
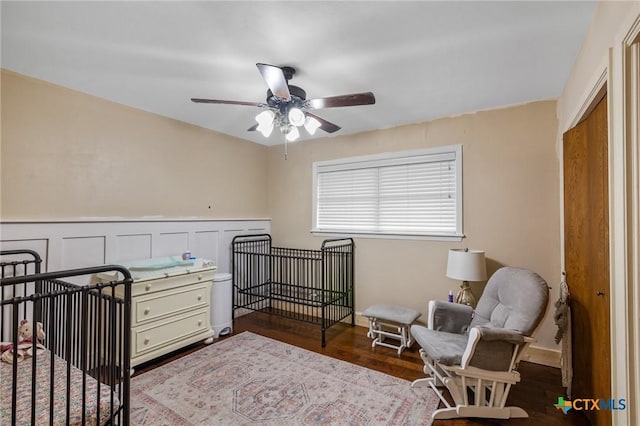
492,348
491,334
449,317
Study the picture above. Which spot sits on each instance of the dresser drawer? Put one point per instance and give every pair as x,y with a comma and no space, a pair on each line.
156,305
140,288
157,335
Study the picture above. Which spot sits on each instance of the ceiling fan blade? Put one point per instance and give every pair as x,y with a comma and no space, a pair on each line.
218,101
274,76
253,128
354,99
325,125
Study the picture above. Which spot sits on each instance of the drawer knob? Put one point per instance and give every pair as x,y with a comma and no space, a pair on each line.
147,310
146,340
147,287
199,322
199,297
199,276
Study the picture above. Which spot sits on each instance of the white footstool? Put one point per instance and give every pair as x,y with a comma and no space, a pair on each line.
393,322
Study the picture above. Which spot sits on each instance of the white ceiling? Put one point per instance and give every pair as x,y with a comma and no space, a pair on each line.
422,60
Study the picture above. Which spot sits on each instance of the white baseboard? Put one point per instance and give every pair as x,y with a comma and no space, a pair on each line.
241,312
360,320
543,356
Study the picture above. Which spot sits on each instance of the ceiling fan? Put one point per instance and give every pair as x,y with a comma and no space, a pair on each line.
288,108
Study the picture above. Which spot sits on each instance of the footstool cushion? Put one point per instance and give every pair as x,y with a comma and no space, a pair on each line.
383,316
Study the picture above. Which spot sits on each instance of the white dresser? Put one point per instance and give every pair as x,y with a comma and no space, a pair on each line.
170,307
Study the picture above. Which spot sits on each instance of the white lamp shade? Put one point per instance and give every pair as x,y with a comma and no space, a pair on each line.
293,134
311,124
466,265
265,129
265,122
265,117
296,117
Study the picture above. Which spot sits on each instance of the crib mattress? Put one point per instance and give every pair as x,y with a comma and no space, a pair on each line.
97,394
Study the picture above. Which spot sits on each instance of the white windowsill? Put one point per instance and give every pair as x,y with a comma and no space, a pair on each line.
451,238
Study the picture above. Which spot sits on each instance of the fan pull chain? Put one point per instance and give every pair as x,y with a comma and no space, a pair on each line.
285,148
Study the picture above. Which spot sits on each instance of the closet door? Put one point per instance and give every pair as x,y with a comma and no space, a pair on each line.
586,252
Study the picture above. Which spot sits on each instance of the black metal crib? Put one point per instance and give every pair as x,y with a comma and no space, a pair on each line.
65,347
315,286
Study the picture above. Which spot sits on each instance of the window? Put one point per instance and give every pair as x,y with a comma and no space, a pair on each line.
410,194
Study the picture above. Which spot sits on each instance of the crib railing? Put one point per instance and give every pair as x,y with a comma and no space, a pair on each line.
86,326
16,263
313,286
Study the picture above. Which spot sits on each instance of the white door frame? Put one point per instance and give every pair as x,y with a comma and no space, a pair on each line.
623,224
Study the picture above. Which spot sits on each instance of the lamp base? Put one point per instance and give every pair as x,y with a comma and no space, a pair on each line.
464,296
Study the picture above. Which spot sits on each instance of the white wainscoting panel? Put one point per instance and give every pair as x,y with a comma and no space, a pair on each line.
81,252
136,246
82,243
40,246
206,244
171,244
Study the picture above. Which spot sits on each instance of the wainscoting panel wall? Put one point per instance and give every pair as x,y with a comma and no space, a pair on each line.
81,243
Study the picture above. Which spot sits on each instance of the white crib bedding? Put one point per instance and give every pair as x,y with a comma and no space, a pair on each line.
97,394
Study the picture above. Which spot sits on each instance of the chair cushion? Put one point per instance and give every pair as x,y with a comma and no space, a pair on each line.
494,347
515,299
445,348
398,314
449,317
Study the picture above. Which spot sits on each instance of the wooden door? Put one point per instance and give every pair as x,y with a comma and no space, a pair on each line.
586,236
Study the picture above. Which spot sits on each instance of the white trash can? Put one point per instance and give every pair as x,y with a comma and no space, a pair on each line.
221,304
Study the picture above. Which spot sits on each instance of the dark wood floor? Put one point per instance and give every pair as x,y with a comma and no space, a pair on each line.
536,393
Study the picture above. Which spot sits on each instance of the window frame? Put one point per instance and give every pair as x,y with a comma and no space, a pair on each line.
390,159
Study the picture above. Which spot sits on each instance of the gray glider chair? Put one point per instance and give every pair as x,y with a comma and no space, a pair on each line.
479,350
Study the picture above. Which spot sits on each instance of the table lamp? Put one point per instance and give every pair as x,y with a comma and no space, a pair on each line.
466,265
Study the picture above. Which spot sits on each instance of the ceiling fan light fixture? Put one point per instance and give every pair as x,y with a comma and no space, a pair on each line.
265,117
296,117
293,134
311,124
265,129
286,105
265,122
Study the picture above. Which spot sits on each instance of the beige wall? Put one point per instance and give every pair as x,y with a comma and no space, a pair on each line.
511,197
67,155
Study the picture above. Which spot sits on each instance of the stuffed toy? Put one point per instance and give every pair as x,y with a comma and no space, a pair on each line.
561,318
25,343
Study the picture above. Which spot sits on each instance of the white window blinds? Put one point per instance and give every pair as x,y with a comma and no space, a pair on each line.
414,194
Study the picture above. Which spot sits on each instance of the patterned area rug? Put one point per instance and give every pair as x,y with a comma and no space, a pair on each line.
248,379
